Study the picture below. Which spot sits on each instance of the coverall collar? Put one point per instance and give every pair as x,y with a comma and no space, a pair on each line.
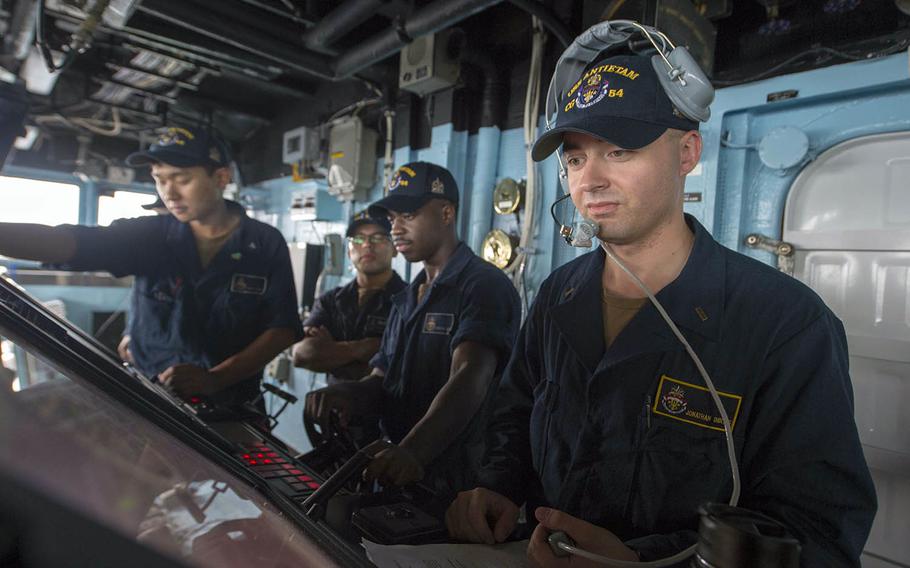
694,302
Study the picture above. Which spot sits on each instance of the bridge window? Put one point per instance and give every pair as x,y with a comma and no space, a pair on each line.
38,201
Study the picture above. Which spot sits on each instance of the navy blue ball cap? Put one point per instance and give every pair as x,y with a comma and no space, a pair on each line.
184,148
157,204
364,218
618,99
413,185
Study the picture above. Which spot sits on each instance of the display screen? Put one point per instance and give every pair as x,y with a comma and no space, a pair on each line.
64,435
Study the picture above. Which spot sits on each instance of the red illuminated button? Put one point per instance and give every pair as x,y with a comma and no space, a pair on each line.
304,478
289,466
312,485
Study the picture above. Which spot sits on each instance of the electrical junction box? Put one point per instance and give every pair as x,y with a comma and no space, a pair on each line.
300,144
352,159
308,203
427,64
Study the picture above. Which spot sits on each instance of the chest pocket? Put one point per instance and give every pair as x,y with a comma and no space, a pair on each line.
159,305
243,309
680,466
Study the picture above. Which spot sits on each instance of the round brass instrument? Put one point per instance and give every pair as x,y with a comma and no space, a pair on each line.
498,248
507,196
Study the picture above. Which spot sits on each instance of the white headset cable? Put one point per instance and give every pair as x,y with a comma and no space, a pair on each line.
728,433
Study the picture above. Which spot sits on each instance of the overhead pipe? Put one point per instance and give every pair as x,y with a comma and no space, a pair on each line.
20,35
196,54
495,86
249,18
347,16
548,18
279,12
489,136
180,15
431,18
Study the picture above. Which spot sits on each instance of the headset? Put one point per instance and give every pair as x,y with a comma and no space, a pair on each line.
690,91
685,84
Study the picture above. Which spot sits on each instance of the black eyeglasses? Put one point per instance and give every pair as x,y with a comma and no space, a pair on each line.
375,239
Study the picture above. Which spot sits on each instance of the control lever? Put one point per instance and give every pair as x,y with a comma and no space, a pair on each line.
284,395
287,397
314,505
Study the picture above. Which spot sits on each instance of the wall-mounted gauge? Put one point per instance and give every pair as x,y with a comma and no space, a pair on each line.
498,248
507,196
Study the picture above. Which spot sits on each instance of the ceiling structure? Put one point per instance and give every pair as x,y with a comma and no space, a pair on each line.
254,68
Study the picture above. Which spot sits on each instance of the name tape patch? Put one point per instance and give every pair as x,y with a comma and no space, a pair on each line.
249,284
693,404
440,324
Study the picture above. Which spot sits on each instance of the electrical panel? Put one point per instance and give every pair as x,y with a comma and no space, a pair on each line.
352,159
428,65
300,144
308,203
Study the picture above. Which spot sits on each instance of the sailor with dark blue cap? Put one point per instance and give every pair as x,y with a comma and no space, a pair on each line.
214,296
604,427
447,341
346,324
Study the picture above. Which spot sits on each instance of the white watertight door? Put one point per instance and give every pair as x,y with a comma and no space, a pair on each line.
848,217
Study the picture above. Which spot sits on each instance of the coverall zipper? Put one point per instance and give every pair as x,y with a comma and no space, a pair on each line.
644,424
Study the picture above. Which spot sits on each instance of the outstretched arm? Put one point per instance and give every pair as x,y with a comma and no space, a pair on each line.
37,242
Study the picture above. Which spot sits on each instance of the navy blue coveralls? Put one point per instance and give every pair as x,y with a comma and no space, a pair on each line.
184,314
470,300
339,311
628,439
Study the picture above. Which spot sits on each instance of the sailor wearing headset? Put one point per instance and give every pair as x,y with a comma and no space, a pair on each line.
604,426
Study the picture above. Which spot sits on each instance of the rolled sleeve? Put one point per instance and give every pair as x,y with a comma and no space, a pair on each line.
321,314
127,246
491,315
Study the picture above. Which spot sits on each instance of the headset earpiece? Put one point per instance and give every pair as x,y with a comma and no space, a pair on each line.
686,85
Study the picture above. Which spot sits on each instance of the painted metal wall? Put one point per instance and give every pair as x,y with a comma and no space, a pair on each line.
738,194
742,195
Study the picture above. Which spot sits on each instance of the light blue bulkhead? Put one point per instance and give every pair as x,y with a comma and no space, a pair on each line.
741,195
738,193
